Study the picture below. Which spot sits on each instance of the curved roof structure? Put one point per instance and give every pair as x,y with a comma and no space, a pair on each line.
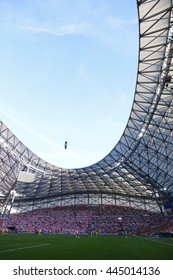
138,171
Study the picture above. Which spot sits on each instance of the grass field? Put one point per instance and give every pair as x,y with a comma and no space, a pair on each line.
67,247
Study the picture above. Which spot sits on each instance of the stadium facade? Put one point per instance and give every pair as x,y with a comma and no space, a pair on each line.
138,171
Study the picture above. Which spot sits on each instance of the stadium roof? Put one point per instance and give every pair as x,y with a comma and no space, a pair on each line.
140,164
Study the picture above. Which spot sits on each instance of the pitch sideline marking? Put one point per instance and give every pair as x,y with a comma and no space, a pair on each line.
29,247
156,241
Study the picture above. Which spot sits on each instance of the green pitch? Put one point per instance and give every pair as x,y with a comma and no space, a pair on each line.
64,247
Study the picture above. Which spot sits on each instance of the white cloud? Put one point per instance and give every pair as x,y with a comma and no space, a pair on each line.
29,130
55,154
78,19
61,30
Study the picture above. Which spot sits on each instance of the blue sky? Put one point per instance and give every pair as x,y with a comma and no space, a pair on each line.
68,73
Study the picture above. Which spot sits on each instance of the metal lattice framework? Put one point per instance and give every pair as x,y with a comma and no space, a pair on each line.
139,170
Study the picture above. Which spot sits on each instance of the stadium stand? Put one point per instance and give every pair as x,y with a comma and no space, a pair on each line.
136,175
101,219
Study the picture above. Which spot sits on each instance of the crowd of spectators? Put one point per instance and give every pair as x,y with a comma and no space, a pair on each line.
86,219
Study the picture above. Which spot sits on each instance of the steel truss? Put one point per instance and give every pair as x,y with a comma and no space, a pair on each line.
138,172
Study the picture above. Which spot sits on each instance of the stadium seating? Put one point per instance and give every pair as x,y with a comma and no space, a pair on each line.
102,219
